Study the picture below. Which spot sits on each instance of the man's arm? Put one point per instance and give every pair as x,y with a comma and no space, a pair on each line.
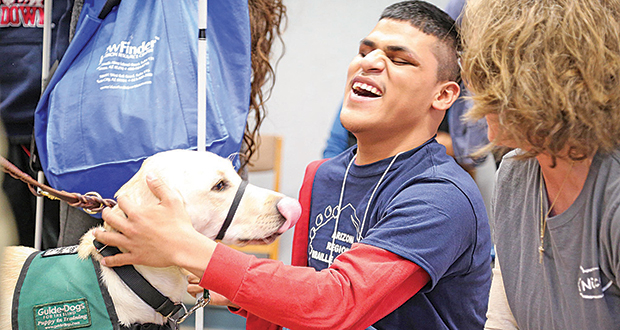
361,287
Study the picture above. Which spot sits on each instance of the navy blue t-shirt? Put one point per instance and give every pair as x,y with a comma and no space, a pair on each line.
426,209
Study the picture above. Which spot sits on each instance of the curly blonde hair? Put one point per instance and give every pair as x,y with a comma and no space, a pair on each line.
550,70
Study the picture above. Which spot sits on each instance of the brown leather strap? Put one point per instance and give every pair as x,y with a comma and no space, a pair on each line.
91,202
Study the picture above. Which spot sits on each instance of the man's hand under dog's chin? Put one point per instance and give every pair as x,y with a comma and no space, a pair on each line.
159,235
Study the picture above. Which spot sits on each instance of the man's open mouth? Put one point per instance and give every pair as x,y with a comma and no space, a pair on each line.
363,89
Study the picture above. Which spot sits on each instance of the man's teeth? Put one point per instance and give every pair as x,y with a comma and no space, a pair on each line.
362,86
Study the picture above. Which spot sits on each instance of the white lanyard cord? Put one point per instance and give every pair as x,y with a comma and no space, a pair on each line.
359,233
346,173
361,228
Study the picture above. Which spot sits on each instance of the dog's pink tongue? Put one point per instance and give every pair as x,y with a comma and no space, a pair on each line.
291,210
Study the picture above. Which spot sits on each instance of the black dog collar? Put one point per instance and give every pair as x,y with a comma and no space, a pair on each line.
139,285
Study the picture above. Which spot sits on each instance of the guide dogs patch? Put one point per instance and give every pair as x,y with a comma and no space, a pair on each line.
70,314
74,299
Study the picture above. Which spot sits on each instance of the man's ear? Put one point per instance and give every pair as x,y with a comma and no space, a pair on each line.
448,93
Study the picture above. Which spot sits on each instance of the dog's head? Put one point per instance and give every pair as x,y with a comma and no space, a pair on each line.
208,184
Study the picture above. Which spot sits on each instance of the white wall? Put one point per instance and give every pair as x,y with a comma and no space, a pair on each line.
321,38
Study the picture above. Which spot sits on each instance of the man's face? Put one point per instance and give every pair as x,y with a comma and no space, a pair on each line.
392,82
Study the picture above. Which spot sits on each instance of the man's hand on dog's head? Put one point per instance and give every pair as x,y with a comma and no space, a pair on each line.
159,235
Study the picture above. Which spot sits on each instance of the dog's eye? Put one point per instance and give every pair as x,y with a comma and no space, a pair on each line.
219,186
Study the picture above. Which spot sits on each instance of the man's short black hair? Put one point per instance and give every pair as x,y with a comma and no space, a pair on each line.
432,21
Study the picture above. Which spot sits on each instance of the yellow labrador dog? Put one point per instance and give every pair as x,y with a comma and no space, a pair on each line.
209,186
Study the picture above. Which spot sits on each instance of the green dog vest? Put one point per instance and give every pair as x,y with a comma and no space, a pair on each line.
71,297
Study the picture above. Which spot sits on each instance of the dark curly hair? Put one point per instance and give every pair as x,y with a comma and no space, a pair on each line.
267,18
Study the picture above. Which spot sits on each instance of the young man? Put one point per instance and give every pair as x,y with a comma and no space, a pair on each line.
397,235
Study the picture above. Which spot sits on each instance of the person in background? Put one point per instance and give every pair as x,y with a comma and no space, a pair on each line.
396,235
468,137
339,140
21,38
8,229
545,75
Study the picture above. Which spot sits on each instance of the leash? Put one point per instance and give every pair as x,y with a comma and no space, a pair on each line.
91,202
201,303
